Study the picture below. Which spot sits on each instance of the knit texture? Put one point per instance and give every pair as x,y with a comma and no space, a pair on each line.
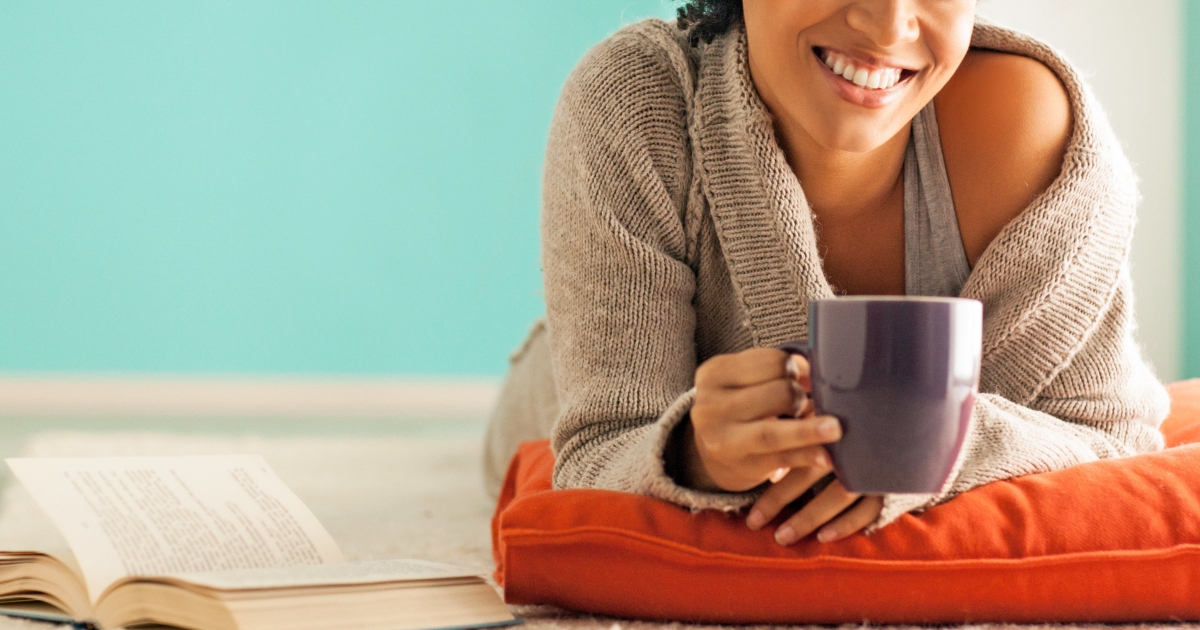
674,229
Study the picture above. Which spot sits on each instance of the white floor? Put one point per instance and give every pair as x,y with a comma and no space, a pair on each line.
393,490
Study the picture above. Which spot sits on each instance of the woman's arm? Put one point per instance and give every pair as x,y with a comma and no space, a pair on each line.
1104,403
1005,126
619,286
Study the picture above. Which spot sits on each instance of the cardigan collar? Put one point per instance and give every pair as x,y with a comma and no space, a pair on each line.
1063,257
760,213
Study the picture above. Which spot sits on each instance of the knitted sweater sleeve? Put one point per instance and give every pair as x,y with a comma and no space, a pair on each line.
618,286
1104,402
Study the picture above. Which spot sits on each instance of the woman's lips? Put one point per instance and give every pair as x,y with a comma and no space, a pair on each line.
862,96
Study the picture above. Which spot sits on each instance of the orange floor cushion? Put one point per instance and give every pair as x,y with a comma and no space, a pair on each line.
1109,541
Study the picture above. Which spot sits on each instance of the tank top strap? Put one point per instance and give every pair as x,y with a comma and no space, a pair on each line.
935,262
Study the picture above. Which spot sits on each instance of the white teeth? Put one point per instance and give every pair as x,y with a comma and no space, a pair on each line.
881,79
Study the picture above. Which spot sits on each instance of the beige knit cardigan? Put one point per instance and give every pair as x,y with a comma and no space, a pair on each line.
674,229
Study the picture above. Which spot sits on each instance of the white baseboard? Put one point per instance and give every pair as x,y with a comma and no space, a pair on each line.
297,397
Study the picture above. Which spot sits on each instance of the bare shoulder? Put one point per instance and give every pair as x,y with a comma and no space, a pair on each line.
1005,121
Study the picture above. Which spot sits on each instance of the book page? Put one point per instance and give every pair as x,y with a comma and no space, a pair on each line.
126,516
26,533
25,528
341,573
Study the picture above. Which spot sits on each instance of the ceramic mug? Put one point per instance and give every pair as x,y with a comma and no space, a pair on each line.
901,373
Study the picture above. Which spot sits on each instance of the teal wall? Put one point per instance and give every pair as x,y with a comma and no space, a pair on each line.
278,187
1191,204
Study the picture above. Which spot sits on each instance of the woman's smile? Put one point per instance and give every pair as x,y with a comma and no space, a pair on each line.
860,82
847,76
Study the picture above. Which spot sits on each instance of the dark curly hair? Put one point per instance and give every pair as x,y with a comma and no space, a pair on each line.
706,19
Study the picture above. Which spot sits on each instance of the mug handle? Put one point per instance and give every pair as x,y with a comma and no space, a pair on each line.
802,348
797,347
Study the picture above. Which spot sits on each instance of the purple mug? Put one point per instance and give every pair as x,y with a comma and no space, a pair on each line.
901,373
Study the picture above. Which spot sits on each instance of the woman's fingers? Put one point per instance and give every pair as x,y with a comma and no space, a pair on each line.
823,508
862,514
778,437
744,455
735,428
751,367
776,397
808,457
749,472
778,495
752,452
741,369
827,511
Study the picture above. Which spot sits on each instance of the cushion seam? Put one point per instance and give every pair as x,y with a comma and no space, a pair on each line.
542,537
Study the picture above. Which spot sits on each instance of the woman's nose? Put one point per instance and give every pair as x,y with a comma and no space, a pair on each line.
886,22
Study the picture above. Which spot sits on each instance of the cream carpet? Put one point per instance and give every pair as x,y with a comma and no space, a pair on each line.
393,496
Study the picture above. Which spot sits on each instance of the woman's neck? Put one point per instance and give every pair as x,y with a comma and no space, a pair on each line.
842,185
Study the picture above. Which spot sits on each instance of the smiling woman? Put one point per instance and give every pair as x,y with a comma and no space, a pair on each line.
706,179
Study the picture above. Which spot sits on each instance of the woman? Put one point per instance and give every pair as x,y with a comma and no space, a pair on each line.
705,180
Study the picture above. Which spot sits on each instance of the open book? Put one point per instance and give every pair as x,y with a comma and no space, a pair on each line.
209,542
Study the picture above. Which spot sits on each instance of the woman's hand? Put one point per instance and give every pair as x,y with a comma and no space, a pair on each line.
837,512
752,422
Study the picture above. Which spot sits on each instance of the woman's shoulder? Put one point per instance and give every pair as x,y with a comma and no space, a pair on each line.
620,133
642,61
625,107
1005,122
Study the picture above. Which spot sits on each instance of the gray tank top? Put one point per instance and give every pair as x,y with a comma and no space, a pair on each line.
935,262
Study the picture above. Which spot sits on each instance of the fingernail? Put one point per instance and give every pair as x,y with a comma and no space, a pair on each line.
826,534
822,460
755,519
830,428
779,474
785,535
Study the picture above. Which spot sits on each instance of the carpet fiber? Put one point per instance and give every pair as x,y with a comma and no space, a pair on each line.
379,496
